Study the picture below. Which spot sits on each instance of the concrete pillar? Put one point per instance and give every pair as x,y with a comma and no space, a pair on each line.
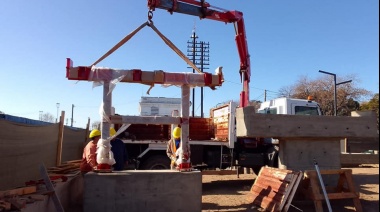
185,107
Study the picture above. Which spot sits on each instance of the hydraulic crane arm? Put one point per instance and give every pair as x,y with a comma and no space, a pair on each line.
204,10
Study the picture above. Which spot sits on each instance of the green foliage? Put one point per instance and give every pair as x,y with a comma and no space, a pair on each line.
372,105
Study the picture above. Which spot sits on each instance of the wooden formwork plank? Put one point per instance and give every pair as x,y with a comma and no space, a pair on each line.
293,191
50,188
19,191
274,188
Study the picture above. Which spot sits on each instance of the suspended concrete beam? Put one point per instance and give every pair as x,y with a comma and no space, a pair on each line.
86,73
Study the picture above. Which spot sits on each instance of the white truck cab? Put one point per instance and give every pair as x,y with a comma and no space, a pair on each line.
290,106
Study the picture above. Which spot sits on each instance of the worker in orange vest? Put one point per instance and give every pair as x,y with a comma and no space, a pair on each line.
173,146
88,162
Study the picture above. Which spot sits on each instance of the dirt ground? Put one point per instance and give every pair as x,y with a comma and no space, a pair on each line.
229,193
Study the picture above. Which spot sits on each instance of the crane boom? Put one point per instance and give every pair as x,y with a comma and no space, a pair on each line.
204,10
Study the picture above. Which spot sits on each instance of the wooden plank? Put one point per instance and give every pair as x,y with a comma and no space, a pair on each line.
351,187
17,203
273,187
87,132
268,203
260,186
289,190
5,205
271,184
282,175
291,126
19,191
293,191
73,161
312,173
342,195
50,188
345,175
60,139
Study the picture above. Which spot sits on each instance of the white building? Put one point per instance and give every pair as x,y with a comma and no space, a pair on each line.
159,106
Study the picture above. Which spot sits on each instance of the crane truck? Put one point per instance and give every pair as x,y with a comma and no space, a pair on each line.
213,141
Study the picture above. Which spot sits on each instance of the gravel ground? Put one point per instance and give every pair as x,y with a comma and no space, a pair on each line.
229,193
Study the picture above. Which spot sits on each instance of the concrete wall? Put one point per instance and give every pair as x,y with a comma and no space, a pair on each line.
135,191
250,124
299,155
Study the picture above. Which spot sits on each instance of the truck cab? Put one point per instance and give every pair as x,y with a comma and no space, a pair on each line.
290,106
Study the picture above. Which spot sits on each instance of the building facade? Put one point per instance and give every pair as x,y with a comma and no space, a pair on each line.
159,106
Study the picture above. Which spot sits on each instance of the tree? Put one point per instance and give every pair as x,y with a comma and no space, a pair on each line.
322,90
48,117
373,105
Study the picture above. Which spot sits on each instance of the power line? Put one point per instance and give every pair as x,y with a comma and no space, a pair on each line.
262,89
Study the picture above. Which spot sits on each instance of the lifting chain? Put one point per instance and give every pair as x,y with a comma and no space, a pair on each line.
150,15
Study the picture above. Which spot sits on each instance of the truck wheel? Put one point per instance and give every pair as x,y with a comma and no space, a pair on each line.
156,162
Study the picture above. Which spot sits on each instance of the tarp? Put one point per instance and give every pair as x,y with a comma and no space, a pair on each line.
23,147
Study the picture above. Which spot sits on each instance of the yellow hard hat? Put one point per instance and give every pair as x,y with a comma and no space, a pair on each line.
177,132
112,131
94,133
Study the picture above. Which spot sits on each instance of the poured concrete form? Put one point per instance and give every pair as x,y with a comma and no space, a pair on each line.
250,124
159,190
305,140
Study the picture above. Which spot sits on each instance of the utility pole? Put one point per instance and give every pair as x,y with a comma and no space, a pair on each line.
72,114
56,119
265,95
335,84
202,59
41,115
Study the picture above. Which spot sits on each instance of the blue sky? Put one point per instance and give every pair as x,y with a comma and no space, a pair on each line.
286,40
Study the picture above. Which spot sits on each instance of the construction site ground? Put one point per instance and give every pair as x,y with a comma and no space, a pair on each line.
229,193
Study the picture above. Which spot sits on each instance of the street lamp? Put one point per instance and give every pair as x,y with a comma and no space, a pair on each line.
56,120
335,84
